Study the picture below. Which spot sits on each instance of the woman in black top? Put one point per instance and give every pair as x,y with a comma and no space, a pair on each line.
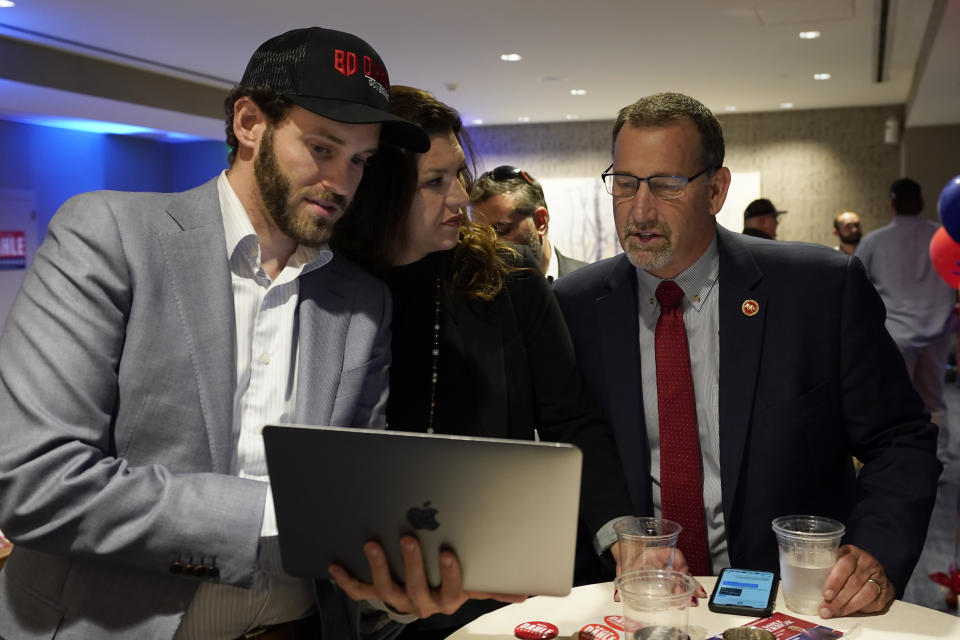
479,345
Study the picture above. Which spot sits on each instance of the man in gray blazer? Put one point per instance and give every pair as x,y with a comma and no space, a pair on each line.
511,201
153,336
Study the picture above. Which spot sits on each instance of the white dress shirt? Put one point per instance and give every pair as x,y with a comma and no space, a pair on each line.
700,304
265,313
553,267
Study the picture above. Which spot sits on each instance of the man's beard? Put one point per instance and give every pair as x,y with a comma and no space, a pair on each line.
274,187
533,240
649,259
853,238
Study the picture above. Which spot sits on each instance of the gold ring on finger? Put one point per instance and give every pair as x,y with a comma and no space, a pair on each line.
876,585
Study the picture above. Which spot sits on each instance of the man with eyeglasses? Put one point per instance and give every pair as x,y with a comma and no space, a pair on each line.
741,376
511,201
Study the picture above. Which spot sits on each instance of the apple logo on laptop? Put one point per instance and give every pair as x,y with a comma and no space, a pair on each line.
424,517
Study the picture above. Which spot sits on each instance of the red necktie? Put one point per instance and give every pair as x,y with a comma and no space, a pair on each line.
681,483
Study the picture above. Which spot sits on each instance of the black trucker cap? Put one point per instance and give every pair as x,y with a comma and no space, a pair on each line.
335,75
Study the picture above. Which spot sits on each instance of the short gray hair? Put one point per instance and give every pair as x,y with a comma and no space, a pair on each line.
664,108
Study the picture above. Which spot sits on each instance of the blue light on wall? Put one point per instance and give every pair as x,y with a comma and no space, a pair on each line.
56,158
99,126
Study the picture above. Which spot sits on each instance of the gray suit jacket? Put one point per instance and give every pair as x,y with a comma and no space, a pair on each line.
567,265
117,375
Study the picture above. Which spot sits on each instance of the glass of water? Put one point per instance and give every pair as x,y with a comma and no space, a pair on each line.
808,548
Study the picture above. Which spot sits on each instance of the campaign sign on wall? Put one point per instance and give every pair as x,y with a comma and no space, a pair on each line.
13,250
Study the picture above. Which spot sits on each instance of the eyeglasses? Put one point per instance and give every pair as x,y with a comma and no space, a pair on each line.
507,172
625,185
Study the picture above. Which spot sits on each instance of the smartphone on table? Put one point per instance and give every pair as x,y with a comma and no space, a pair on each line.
744,593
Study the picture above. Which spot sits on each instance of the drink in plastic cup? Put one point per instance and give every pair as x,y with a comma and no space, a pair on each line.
646,543
656,604
808,548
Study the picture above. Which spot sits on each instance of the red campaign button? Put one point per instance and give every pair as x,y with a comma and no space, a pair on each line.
598,632
536,630
614,622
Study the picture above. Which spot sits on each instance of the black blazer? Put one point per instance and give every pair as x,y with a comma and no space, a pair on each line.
808,381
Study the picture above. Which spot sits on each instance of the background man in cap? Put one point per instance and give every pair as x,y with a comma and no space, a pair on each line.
511,201
748,356
155,333
919,303
760,219
846,226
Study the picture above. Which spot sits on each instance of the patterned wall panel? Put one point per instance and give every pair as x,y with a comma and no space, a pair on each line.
812,163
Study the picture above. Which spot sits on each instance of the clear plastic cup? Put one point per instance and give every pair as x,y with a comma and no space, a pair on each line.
656,604
808,549
646,543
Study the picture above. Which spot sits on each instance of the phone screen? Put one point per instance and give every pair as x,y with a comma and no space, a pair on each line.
742,588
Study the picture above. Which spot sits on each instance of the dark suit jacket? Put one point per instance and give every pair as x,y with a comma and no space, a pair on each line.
808,381
567,265
757,233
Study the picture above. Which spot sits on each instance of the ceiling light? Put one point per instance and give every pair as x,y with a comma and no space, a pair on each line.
476,121
821,76
6,4
578,92
511,57
572,116
523,119
809,35
730,108
786,105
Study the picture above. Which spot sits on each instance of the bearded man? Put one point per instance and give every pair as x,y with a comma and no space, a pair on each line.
156,333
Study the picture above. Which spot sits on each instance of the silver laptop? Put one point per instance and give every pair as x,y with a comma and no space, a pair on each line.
508,508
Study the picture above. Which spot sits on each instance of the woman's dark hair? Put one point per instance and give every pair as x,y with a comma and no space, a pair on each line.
374,235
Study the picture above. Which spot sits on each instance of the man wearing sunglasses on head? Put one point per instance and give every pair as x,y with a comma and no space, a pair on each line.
511,201
722,360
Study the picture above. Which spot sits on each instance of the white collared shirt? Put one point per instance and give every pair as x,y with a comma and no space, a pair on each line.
553,268
701,318
265,313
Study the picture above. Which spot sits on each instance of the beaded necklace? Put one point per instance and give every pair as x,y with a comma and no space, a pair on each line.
435,353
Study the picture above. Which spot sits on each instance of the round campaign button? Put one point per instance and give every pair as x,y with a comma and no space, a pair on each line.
614,622
750,308
536,630
598,632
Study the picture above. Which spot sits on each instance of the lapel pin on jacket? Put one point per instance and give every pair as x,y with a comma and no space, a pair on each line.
750,308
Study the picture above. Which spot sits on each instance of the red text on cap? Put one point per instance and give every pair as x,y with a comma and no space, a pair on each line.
345,62
536,630
376,71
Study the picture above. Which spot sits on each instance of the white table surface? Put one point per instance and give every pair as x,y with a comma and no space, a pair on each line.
590,603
